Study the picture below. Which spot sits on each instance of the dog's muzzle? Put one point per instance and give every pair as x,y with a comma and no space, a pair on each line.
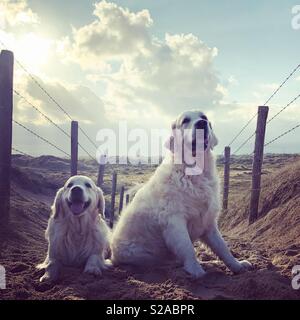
200,125
76,201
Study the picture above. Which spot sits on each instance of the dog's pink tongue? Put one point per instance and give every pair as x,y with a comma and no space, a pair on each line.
77,207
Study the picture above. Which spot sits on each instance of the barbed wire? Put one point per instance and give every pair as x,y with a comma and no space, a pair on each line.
278,137
90,140
41,113
243,129
282,135
4,164
244,143
82,148
53,100
275,116
281,110
52,122
58,105
21,152
267,101
41,138
282,84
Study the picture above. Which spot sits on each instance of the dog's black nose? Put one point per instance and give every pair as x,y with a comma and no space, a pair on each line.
201,124
76,192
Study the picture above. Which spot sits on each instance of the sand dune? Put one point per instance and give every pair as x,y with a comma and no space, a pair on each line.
272,243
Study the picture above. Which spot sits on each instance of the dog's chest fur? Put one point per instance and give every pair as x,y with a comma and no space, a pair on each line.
74,241
202,206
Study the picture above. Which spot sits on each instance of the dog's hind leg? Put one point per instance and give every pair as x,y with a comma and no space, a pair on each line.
131,253
95,264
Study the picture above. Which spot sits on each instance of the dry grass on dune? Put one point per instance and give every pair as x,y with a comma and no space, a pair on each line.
277,230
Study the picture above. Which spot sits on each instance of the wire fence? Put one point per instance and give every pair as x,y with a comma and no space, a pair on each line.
242,130
285,107
6,66
56,103
41,138
260,145
43,114
255,115
282,135
67,116
21,152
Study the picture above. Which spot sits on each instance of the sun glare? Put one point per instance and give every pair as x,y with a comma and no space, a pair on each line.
33,51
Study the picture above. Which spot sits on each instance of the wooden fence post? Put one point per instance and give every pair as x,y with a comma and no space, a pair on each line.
121,199
127,199
74,147
101,171
226,177
258,161
6,109
113,198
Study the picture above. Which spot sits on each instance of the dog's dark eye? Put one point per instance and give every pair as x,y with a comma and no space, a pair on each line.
88,185
70,185
185,120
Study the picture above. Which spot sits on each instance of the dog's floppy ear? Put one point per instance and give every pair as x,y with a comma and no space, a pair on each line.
214,140
101,202
169,144
57,206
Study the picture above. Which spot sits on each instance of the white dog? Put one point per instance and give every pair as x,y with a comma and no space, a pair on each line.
174,209
76,234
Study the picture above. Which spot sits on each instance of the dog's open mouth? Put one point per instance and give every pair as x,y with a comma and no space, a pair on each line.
194,147
78,207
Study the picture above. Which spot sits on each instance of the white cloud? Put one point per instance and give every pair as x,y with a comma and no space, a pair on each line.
265,89
115,34
176,75
152,76
79,101
16,12
144,80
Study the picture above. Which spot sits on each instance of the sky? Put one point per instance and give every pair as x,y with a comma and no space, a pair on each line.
146,61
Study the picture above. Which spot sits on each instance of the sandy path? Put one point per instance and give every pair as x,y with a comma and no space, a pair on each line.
166,282
23,246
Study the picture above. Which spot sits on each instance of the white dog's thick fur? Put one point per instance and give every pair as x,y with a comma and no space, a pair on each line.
171,211
76,233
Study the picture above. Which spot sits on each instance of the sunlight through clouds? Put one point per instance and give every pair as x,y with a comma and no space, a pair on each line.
165,76
13,13
120,63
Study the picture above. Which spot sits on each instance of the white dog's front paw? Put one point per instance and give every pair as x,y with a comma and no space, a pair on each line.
107,264
51,272
243,266
94,270
47,277
194,269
